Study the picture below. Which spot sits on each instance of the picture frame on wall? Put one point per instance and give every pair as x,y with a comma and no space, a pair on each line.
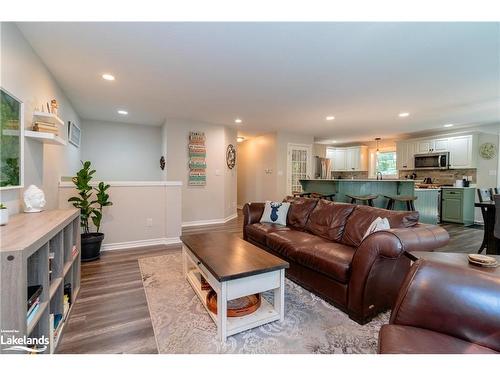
74,134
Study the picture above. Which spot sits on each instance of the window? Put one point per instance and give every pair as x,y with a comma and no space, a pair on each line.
386,163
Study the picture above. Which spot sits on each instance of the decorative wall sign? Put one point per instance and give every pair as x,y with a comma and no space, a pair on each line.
197,163
230,156
487,151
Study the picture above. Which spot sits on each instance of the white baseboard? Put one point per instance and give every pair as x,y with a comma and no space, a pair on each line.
199,223
141,243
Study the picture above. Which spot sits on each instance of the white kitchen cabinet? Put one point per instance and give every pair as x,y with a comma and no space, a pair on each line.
405,153
461,152
432,145
348,158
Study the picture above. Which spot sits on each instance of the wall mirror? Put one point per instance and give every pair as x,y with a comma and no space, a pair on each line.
11,141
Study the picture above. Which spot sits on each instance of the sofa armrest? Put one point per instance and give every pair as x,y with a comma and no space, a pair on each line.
455,300
379,265
252,212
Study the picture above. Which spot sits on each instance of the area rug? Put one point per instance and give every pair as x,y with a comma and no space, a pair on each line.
182,325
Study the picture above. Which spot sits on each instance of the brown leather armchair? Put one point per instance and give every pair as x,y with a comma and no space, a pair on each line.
444,309
324,243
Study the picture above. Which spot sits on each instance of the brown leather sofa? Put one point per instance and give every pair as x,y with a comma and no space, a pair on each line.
444,309
323,242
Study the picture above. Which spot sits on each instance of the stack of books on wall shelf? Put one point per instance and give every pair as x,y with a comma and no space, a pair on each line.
34,293
45,127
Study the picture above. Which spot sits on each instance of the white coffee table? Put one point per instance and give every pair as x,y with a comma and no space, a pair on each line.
234,268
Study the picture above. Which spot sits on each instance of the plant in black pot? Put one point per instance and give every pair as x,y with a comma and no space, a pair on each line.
90,209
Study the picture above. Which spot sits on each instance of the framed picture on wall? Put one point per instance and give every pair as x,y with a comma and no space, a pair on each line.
11,141
74,134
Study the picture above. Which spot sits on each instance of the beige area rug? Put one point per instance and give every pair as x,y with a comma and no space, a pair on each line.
182,325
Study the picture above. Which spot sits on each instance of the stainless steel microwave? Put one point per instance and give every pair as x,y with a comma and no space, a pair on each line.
438,160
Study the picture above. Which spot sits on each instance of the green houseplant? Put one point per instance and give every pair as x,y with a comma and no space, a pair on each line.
90,201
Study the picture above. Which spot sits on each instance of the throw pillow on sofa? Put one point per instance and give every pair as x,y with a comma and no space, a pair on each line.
275,212
376,225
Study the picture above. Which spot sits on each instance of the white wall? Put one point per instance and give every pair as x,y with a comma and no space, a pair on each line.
257,180
216,201
122,152
25,76
143,213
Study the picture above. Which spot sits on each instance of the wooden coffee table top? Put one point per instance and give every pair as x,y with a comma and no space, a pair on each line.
229,257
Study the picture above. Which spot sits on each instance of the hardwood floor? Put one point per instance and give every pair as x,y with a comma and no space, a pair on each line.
111,314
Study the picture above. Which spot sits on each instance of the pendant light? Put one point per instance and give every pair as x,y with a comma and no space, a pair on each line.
378,140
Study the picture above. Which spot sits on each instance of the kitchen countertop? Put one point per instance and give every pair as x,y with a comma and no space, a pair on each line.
355,180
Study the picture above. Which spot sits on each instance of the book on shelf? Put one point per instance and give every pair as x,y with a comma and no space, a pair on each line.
74,251
51,260
30,317
34,292
36,303
45,128
67,298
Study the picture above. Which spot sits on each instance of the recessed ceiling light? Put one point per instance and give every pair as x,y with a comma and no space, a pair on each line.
448,125
108,77
330,118
122,112
238,121
404,114
240,139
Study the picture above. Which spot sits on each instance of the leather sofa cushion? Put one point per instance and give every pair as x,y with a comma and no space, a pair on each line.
362,217
328,219
398,339
330,258
287,243
258,231
300,209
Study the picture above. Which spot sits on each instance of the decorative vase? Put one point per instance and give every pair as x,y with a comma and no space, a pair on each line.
91,246
4,216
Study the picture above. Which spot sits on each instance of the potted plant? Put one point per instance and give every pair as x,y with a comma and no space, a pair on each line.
4,214
90,209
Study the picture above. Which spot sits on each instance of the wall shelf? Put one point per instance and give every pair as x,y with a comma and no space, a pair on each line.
47,117
45,137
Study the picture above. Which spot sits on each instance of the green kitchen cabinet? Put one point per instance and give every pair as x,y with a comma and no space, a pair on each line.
458,205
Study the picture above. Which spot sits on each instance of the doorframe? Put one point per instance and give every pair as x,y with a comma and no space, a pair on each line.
290,147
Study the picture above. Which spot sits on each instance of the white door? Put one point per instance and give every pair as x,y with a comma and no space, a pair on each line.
441,144
299,166
424,146
353,159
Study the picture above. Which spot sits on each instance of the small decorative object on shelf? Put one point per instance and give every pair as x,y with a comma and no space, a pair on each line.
54,106
162,163
237,307
230,156
90,209
4,214
34,199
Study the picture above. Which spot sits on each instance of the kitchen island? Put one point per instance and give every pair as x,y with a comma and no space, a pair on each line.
341,187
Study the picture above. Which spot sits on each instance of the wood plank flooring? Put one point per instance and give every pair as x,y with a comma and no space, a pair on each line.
111,314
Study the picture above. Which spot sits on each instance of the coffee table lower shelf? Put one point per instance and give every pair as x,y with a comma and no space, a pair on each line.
263,315
231,289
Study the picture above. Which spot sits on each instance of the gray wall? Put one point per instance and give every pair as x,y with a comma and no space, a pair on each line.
25,76
123,152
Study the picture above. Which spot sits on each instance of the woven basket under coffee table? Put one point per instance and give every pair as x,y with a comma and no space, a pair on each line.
238,272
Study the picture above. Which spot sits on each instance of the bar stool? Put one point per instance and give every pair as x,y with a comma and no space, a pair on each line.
408,199
362,198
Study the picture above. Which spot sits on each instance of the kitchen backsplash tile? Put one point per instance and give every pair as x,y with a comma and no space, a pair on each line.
447,177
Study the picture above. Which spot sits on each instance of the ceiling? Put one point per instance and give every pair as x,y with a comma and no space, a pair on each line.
279,76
